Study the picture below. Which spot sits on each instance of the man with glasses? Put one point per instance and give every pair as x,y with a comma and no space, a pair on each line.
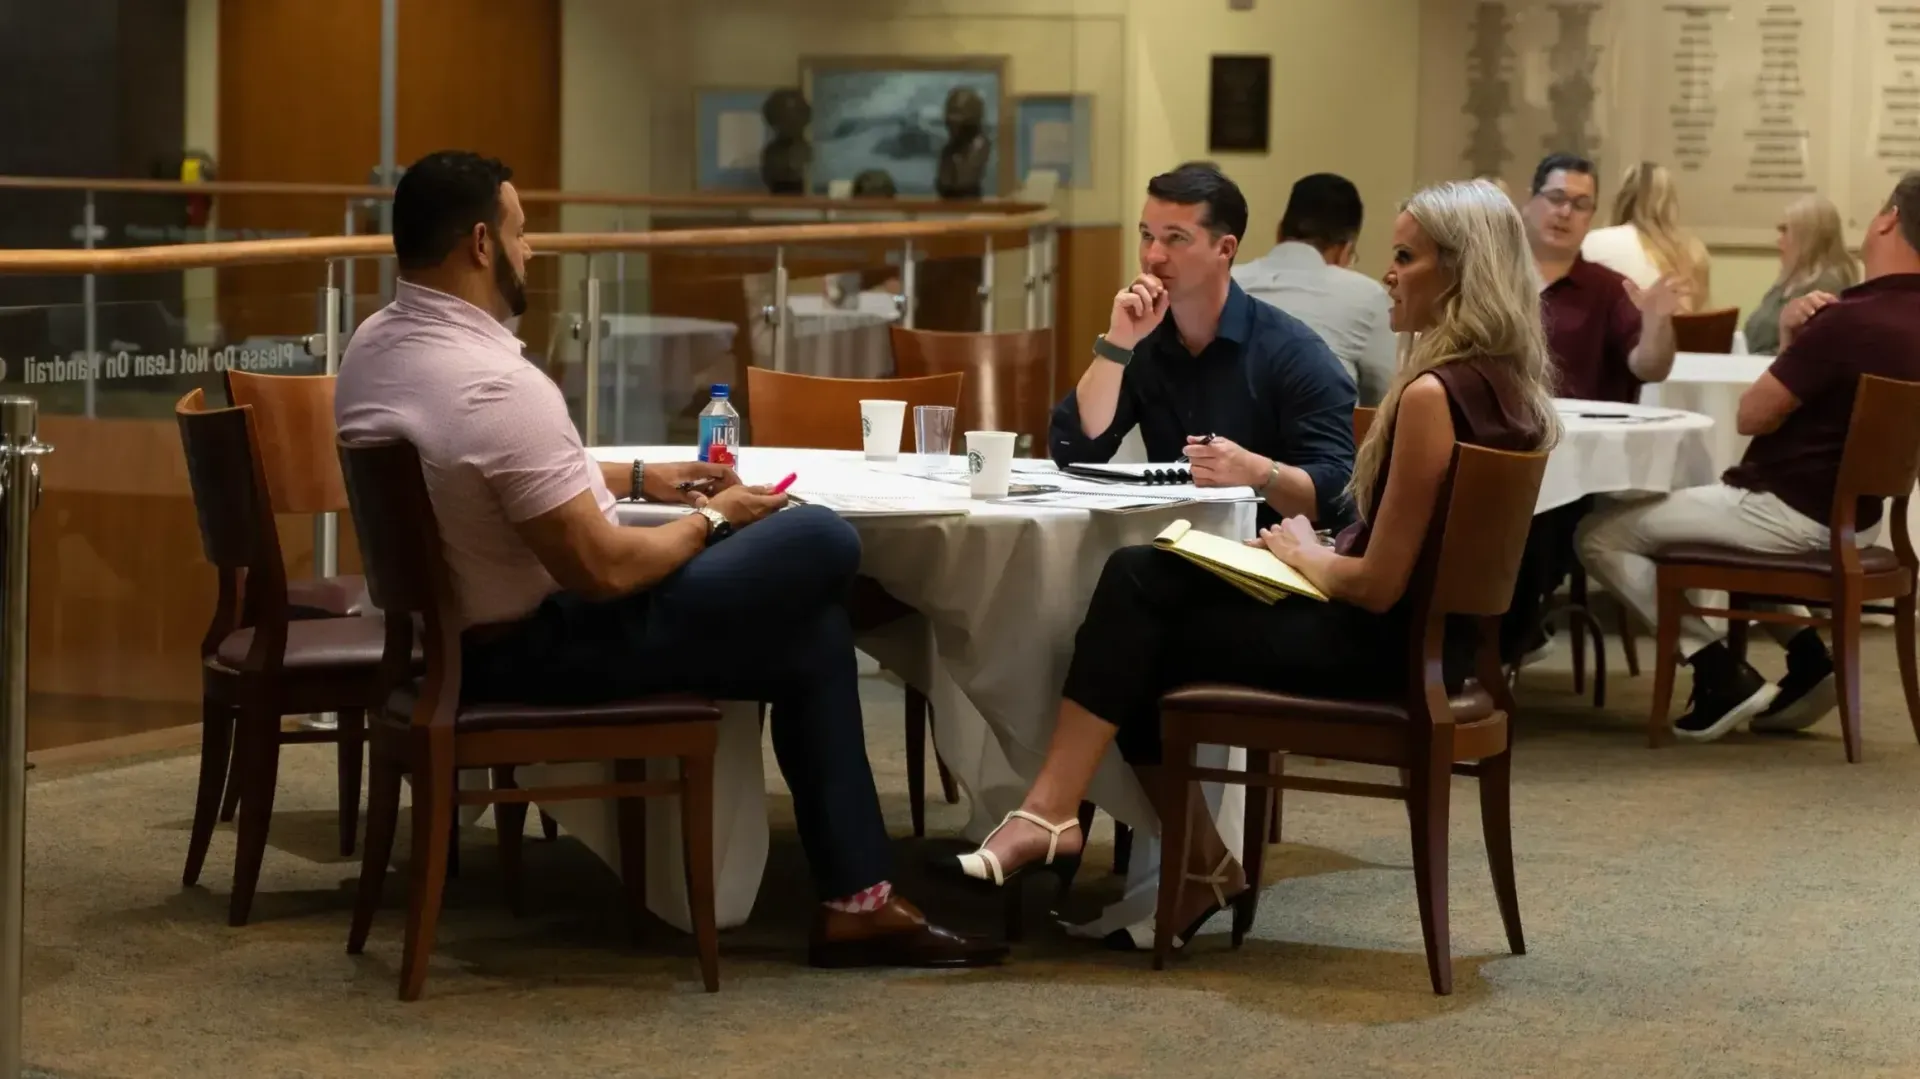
1608,337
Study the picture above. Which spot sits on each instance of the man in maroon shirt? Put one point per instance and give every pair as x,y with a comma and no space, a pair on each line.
1778,498
1607,337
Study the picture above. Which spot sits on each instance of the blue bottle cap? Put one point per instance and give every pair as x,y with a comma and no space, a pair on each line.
719,389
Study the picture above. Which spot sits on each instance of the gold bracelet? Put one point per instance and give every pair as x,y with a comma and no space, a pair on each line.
1273,473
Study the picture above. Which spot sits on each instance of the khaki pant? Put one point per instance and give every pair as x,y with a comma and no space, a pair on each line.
1616,543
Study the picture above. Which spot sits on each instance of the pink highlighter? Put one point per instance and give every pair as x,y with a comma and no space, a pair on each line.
781,487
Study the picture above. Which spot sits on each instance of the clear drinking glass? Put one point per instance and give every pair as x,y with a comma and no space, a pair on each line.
933,430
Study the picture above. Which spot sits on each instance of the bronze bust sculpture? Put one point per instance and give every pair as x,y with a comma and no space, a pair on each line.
963,160
784,161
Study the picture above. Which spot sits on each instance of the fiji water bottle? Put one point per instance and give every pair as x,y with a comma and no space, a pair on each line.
719,426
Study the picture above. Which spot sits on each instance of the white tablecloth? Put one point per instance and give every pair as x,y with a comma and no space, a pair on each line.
1002,591
1710,384
1659,450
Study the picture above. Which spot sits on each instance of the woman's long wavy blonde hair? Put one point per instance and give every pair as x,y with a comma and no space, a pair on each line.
1649,202
1490,310
1819,245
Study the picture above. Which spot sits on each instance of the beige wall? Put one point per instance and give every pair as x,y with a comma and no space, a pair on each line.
1345,76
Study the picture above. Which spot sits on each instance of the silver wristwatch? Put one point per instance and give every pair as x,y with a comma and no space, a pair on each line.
718,527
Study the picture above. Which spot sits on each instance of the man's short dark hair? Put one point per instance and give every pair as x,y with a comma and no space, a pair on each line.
1323,210
1553,163
1906,200
1202,183
438,201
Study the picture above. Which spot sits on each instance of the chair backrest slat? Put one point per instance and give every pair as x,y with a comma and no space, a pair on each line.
808,412
1362,423
1481,529
293,415
229,493
1883,441
1006,387
393,520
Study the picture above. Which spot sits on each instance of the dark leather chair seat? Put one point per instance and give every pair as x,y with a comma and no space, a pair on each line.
318,643
514,717
1872,559
1471,704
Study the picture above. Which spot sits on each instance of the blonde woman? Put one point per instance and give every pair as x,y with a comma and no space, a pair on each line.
1465,292
1645,241
1813,259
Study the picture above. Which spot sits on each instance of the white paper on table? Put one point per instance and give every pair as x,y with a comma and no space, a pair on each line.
1094,502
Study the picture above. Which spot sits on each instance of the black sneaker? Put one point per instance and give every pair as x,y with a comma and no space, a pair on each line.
1807,693
1726,693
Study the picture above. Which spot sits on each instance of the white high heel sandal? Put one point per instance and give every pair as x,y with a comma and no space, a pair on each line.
1138,937
984,866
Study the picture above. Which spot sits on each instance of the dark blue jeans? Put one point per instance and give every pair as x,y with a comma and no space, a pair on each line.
758,616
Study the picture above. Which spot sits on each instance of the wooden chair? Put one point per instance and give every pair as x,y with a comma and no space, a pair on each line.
293,419
807,412
425,732
1706,331
1362,423
1881,459
257,662
1008,383
1467,569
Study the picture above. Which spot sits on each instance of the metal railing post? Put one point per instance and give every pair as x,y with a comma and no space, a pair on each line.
346,270
87,301
986,286
20,451
909,287
620,266
590,304
777,311
1033,279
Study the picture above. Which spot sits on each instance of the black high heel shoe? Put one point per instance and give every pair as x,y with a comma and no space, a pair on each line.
981,868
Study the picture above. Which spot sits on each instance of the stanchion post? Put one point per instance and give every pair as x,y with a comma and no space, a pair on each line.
20,452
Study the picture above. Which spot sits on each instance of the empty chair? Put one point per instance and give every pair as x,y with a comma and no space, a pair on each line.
1008,376
1707,331
257,662
805,411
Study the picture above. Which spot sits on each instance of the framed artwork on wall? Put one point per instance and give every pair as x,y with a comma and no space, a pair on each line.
1054,131
731,132
1239,104
889,114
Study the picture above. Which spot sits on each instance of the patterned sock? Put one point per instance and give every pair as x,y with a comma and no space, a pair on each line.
864,900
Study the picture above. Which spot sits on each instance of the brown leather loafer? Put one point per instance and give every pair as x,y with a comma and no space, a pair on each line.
896,935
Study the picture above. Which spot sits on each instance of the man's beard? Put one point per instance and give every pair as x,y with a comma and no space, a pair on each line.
511,286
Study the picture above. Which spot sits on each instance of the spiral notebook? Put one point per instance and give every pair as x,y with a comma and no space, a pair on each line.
1161,473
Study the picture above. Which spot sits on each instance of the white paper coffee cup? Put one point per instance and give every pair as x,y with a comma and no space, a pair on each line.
880,425
990,462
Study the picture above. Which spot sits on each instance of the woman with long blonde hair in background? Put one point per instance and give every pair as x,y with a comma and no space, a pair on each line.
1813,258
1467,296
1645,241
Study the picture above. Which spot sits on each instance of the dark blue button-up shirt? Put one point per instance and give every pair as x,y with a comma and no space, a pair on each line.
1266,381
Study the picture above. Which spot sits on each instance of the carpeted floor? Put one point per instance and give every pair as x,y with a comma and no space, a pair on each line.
1742,909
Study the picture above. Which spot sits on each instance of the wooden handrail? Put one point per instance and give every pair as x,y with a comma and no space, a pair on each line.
321,248
730,202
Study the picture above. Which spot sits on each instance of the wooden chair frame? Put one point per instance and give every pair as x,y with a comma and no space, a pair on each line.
1881,460
419,733
1468,566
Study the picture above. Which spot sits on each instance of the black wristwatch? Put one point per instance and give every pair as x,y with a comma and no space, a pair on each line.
1107,350
639,476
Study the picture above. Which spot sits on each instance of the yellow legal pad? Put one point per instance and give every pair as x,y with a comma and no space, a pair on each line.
1253,570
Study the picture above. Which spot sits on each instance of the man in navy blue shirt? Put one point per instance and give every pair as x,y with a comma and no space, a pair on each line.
1188,354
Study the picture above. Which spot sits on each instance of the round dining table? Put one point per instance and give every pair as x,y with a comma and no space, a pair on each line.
1001,589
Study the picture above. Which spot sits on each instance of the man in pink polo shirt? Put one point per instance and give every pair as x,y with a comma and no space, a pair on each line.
564,606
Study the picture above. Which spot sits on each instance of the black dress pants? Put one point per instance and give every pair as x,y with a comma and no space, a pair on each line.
760,617
1157,622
